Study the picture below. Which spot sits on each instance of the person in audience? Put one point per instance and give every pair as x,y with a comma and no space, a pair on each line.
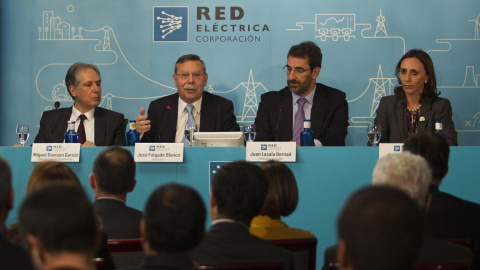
379,228
411,174
416,105
12,257
59,225
100,126
448,216
281,200
168,115
173,225
237,195
47,172
112,178
326,107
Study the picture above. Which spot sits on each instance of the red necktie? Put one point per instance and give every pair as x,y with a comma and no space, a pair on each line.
82,138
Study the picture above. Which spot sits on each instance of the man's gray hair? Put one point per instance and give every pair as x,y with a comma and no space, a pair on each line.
406,171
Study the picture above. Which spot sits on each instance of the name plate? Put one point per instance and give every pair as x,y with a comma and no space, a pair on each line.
263,151
158,152
64,152
389,148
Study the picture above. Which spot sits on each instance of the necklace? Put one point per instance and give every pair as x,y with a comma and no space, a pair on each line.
414,110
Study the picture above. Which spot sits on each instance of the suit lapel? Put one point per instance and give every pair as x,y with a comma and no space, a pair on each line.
285,126
168,131
100,126
401,115
207,113
319,107
61,124
425,113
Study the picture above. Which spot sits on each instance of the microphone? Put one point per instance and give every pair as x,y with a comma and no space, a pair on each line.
57,105
278,123
404,105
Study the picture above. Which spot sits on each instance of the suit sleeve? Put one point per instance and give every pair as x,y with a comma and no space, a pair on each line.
382,119
42,136
337,129
263,122
445,115
229,121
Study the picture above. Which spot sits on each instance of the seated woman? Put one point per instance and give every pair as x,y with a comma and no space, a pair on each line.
281,200
49,172
415,107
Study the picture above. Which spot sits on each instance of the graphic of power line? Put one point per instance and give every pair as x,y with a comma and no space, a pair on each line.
380,24
379,90
250,105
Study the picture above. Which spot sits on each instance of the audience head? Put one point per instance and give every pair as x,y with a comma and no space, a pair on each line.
72,78
238,191
6,193
434,148
59,218
114,171
406,171
174,219
282,193
380,227
48,172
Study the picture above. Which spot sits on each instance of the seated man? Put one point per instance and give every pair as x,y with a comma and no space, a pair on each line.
112,178
379,228
237,195
174,224
60,227
448,216
94,125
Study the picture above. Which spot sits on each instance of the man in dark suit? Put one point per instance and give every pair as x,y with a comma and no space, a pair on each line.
174,224
167,116
448,216
325,107
102,127
237,195
112,178
11,256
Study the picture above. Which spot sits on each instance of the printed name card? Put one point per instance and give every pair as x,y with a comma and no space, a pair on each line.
158,152
263,151
389,148
64,152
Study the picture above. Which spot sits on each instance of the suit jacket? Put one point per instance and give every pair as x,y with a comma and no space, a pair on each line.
329,116
110,127
13,257
450,217
432,251
119,220
216,115
164,261
232,243
393,119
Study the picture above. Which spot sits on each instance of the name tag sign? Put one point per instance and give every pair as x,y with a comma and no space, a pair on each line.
158,152
389,148
64,152
280,151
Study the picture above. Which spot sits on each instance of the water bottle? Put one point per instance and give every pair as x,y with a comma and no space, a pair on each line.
439,128
132,136
306,136
71,136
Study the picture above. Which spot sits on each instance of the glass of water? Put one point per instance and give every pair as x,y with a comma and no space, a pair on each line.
189,132
23,131
374,134
249,132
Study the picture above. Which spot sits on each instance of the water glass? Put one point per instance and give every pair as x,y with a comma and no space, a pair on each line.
23,131
189,132
374,134
249,132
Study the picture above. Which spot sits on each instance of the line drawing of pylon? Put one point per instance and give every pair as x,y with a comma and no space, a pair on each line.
250,105
477,25
106,39
379,90
380,24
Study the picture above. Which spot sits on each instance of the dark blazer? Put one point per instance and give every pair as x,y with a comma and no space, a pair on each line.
119,220
13,257
393,119
216,115
232,243
164,261
274,121
110,127
451,217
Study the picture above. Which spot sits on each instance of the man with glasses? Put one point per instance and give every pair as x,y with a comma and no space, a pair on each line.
167,116
281,113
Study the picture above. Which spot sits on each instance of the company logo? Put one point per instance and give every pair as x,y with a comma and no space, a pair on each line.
151,148
170,24
396,148
49,148
263,147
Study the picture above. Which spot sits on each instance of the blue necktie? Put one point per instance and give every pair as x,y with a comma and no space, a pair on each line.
299,119
190,123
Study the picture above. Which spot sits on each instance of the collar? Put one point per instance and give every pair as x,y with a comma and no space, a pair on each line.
308,97
197,104
76,113
110,198
227,220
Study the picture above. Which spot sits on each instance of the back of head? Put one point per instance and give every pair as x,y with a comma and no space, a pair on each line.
239,189
61,217
282,194
307,49
381,228
114,170
5,185
405,171
174,218
48,172
434,148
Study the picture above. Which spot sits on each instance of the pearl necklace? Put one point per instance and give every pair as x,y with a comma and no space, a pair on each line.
414,110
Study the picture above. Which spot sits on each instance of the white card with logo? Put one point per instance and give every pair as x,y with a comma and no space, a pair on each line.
263,151
63,152
389,148
158,152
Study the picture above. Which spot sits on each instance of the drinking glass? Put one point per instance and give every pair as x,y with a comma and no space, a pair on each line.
374,134
249,132
23,131
189,132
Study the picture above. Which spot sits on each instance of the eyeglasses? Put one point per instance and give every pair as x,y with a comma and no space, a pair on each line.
298,71
184,76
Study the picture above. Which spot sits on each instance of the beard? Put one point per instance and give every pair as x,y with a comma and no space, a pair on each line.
300,88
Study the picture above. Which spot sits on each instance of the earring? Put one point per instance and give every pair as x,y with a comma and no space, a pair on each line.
426,82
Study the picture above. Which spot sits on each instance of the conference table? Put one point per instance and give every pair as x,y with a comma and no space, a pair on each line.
326,176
